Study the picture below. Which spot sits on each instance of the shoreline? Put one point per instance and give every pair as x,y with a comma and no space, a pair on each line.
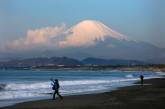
66,95
153,68
102,68
128,96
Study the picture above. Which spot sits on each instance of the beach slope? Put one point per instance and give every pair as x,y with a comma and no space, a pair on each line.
149,96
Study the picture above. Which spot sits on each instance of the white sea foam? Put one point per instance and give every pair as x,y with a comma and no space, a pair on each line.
23,86
45,85
161,73
21,90
129,76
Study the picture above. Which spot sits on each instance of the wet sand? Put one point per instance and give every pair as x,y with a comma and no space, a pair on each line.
149,96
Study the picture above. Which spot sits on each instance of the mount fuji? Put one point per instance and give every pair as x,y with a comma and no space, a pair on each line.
94,39
88,32
90,38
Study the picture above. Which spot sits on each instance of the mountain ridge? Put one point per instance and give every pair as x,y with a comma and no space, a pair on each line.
65,61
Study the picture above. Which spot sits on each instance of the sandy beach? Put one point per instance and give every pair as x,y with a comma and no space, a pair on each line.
150,96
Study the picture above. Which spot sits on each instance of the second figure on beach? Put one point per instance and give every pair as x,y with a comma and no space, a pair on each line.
141,79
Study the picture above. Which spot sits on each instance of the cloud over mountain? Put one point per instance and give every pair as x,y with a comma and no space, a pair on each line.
85,33
37,37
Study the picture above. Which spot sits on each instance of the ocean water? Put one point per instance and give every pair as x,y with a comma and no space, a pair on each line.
24,85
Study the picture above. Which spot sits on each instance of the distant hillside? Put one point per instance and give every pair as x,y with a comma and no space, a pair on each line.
99,61
65,61
41,62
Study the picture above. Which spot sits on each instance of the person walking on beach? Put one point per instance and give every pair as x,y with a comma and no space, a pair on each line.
141,79
55,87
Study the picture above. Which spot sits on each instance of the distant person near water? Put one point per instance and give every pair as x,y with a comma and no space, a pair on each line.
55,87
141,79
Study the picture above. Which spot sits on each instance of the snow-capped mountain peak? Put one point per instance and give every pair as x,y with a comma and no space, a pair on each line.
87,32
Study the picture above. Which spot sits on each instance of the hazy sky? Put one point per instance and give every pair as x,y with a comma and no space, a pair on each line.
137,19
